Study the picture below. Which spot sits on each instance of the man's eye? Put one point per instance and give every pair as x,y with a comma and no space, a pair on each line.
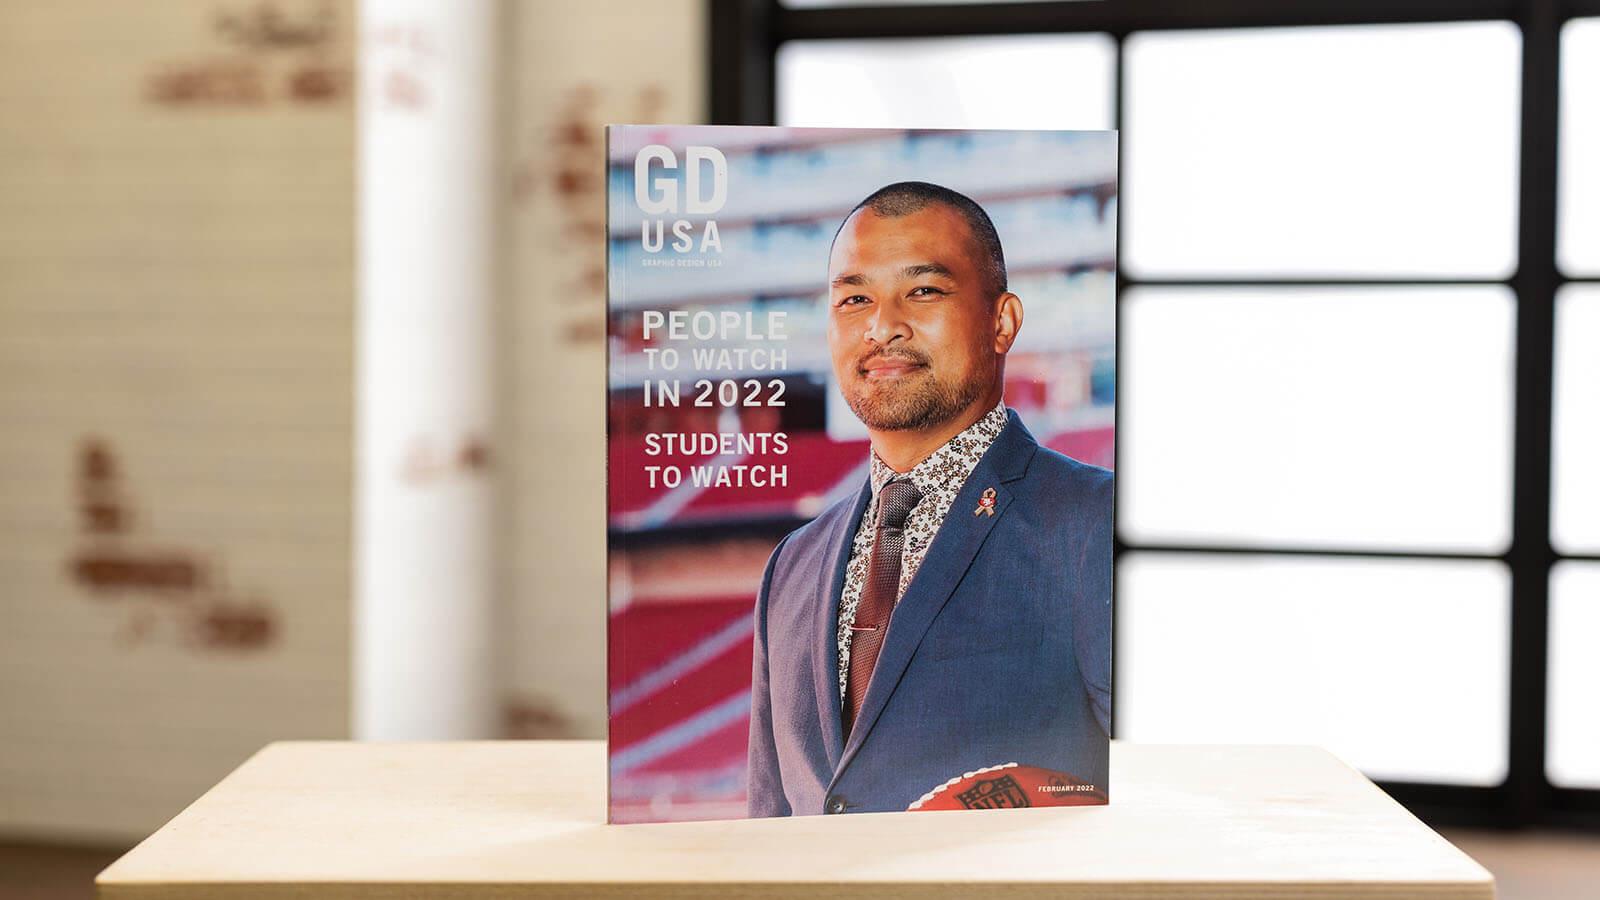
926,292
853,300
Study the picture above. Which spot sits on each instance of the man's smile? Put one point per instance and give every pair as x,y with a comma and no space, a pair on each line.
886,367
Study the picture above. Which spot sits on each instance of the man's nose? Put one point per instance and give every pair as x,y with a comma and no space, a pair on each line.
887,323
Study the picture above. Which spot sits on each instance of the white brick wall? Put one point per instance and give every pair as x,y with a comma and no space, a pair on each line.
576,68
176,283
177,286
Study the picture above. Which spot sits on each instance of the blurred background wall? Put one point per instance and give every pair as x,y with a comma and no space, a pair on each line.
179,395
177,227
572,69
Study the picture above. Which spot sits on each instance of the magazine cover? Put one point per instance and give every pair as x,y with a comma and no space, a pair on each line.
860,434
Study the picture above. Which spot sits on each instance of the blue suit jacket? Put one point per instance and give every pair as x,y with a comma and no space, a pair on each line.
999,651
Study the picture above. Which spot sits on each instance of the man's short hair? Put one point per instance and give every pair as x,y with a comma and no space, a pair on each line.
906,197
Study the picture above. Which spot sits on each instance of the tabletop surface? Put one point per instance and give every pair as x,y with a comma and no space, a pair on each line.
527,818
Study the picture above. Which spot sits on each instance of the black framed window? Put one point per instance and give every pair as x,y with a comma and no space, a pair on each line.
1340,307
1573,732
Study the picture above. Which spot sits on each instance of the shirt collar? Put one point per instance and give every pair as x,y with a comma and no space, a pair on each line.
953,461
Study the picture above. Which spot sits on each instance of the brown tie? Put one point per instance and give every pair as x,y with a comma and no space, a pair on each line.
895,501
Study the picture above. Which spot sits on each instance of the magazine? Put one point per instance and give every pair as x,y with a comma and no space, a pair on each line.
860,436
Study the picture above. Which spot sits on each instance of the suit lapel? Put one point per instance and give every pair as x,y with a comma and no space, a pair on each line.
956,545
825,642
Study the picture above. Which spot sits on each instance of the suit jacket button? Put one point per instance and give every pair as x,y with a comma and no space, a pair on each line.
836,804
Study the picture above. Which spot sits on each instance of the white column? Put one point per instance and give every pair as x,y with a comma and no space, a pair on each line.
424,625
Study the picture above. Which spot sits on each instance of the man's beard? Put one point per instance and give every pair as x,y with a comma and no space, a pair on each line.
910,403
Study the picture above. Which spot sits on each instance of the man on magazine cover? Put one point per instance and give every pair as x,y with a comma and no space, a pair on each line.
955,614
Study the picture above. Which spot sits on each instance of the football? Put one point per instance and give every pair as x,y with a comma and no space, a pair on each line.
1010,786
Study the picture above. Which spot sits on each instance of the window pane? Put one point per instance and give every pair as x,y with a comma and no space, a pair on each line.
1370,150
1575,479
1397,666
1054,81
1578,232
1573,755
1300,417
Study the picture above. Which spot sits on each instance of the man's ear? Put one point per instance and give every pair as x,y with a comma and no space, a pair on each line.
1007,321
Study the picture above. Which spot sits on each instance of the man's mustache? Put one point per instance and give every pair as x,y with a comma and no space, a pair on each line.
909,356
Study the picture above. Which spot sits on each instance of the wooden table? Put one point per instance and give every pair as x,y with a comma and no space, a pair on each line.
527,819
